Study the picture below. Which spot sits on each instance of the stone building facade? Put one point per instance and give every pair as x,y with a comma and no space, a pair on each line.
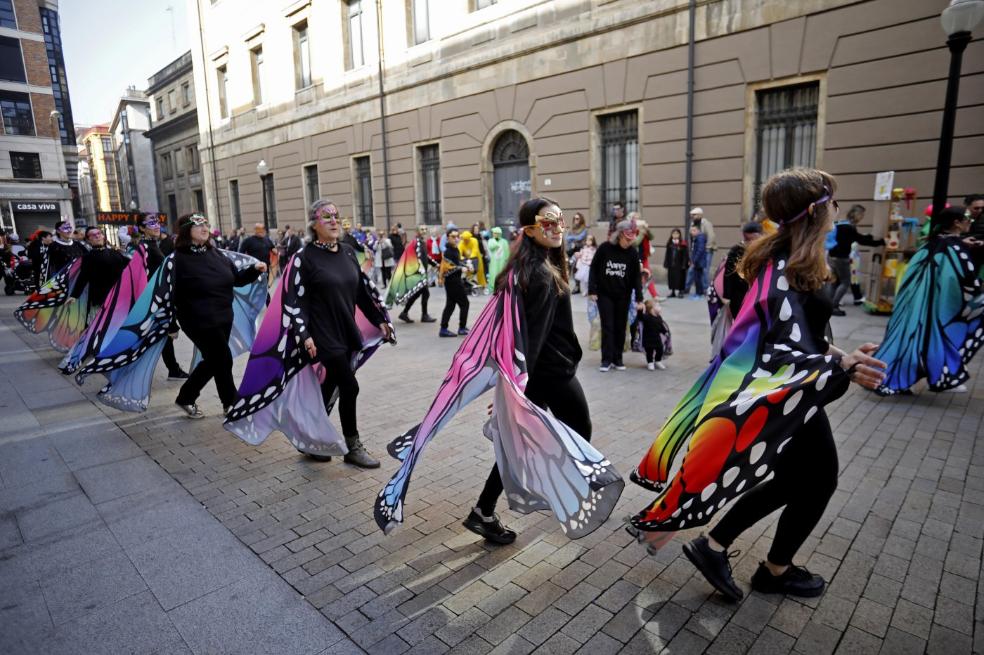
38,160
175,139
100,173
583,100
134,152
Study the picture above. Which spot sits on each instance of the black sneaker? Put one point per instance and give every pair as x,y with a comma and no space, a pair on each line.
491,529
796,581
405,318
837,311
446,333
714,566
427,318
177,375
463,332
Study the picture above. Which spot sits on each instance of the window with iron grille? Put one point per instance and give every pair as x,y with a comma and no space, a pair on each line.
17,115
271,201
26,165
311,186
785,130
429,161
363,190
619,143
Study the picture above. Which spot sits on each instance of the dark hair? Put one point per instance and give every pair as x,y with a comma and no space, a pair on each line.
946,219
42,234
972,198
751,228
854,211
183,239
529,259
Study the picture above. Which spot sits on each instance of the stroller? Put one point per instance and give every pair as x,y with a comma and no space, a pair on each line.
18,275
470,277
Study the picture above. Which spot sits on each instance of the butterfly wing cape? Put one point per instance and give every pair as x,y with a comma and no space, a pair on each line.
281,388
936,327
543,463
769,379
247,305
46,310
111,315
128,358
408,278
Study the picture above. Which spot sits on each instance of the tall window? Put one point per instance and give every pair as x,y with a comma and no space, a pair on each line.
363,190
619,138
17,115
785,131
7,18
107,145
237,215
312,189
271,201
166,170
302,56
191,156
357,55
199,200
178,164
429,161
11,62
421,21
172,106
26,165
256,55
222,80
186,94
59,79
160,108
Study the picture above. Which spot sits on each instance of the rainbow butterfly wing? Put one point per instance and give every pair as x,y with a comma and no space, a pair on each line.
38,310
409,277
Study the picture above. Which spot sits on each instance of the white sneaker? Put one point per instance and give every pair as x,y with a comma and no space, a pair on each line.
619,367
604,368
661,366
961,389
651,366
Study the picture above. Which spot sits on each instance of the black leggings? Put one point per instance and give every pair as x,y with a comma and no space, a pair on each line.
614,315
456,295
339,375
805,479
424,296
213,344
565,399
170,361
654,352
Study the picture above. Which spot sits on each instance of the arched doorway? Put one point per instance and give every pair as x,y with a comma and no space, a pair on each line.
510,176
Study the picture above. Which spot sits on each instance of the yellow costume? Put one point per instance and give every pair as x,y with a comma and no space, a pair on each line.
470,251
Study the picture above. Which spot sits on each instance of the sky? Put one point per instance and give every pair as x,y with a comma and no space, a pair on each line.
110,44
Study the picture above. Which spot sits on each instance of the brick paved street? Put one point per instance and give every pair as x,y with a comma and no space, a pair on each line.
900,542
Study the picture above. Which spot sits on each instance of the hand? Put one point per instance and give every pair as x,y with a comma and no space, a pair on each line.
593,297
311,349
261,267
70,301
864,369
387,331
973,243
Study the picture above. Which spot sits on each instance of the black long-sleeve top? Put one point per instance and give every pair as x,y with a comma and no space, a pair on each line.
653,327
676,254
846,234
258,247
333,288
735,286
60,254
453,257
615,272
203,283
552,348
155,256
100,271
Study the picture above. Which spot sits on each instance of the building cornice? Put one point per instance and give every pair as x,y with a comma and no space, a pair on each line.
187,120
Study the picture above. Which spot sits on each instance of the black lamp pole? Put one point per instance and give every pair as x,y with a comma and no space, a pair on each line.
957,43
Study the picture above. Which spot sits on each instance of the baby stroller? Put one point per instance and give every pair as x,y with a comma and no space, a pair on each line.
470,277
18,275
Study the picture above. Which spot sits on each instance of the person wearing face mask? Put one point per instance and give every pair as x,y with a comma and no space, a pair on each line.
150,239
101,268
540,424
63,249
615,274
317,307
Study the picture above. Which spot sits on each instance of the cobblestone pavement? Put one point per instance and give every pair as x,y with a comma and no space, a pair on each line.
900,542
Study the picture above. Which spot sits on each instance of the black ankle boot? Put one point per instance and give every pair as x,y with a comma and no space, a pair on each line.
715,566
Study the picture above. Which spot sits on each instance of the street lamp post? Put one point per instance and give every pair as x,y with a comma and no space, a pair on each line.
262,170
959,20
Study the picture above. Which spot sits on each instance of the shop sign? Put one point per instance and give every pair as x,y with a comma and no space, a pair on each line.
35,207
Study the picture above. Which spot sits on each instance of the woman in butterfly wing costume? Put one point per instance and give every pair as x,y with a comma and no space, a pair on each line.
47,310
324,321
543,460
754,422
938,322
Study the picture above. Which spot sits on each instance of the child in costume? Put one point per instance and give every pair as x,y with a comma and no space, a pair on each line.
653,329
753,426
